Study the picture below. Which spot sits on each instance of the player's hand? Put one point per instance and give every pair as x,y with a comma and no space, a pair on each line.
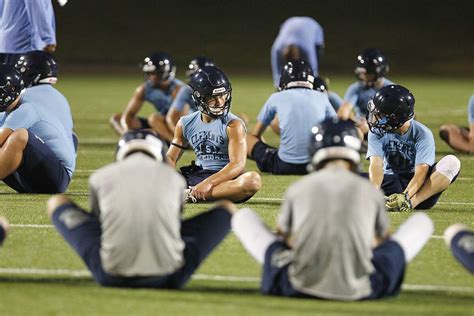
202,190
398,202
50,48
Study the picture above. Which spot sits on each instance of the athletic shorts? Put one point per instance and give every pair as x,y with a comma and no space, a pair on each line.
267,160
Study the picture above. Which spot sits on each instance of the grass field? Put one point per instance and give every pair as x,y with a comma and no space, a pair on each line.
39,273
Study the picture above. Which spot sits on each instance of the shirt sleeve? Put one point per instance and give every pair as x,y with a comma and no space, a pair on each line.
330,112
285,219
334,99
268,112
22,117
182,98
43,23
351,94
425,148
375,146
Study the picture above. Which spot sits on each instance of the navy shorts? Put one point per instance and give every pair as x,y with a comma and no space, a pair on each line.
267,160
40,171
462,248
144,122
201,234
388,260
195,174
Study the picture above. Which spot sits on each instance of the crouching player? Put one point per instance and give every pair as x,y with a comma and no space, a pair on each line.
402,153
134,236
327,228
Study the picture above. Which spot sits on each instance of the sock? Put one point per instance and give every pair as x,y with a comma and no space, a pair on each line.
252,233
413,234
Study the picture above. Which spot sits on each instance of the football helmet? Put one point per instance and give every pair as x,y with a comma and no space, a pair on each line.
389,109
38,67
161,64
320,85
141,140
296,74
197,63
371,63
11,86
334,139
212,91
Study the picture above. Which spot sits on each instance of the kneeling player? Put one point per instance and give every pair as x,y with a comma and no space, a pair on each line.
402,153
328,225
218,140
133,236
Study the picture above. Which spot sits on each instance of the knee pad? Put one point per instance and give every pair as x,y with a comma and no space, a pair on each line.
444,135
449,166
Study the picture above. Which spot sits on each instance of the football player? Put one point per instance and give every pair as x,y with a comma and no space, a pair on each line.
371,68
160,88
321,84
218,139
460,138
134,236
37,153
332,239
183,104
300,37
460,239
401,151
298,107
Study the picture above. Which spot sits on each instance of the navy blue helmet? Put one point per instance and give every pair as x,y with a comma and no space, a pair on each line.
371,61
320,84
161,64
296,74
210,84
11,85
38,67
141,140
334,139
389,109
197,63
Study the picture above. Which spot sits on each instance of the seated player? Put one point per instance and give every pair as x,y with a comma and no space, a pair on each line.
133,236
3,229
218,139
332,240
299,37
37,153
402,153
159,88
298,108
371,68
460,239
183,104
39,71
460,138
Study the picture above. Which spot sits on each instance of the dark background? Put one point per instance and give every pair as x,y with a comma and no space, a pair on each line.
418,37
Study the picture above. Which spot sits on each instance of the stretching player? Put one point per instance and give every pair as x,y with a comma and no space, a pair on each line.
37,153
218,140
460,239
402,153
460,138
159,88
133,236
298,108
333,231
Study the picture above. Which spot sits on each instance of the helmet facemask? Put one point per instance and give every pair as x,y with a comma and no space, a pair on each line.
209,105
381,123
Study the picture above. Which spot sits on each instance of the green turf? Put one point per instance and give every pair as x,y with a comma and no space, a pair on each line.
95,98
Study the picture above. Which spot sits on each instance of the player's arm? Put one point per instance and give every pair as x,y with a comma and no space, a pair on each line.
177,145
259,129
421,171
471,138
5,132
133,107
42,23
376,170
172,117
345,111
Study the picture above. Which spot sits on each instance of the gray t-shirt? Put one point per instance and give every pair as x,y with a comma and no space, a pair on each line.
333,216
139,201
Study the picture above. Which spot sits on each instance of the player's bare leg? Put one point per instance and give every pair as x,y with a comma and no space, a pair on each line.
11,153
242,187
158,123
456,137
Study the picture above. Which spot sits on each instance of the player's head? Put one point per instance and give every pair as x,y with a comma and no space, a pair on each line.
320,85
389,109
11,85
212,91
371,65
38,67
296,74
197,63
143,140
332,140
159,68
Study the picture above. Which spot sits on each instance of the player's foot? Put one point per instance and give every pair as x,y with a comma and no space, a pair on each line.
188,198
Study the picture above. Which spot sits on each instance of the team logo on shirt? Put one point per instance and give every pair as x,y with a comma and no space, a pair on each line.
400,156
207,146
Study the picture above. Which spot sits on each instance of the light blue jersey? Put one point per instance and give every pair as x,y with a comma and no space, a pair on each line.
401,153
298,111
301,31
209,140
359,95
335,100
184,97
26,25
160,99
45,112
470,110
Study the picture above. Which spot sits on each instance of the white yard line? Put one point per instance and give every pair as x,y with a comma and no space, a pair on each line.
210,277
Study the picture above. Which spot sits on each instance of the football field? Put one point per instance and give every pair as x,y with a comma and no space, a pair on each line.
40,274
